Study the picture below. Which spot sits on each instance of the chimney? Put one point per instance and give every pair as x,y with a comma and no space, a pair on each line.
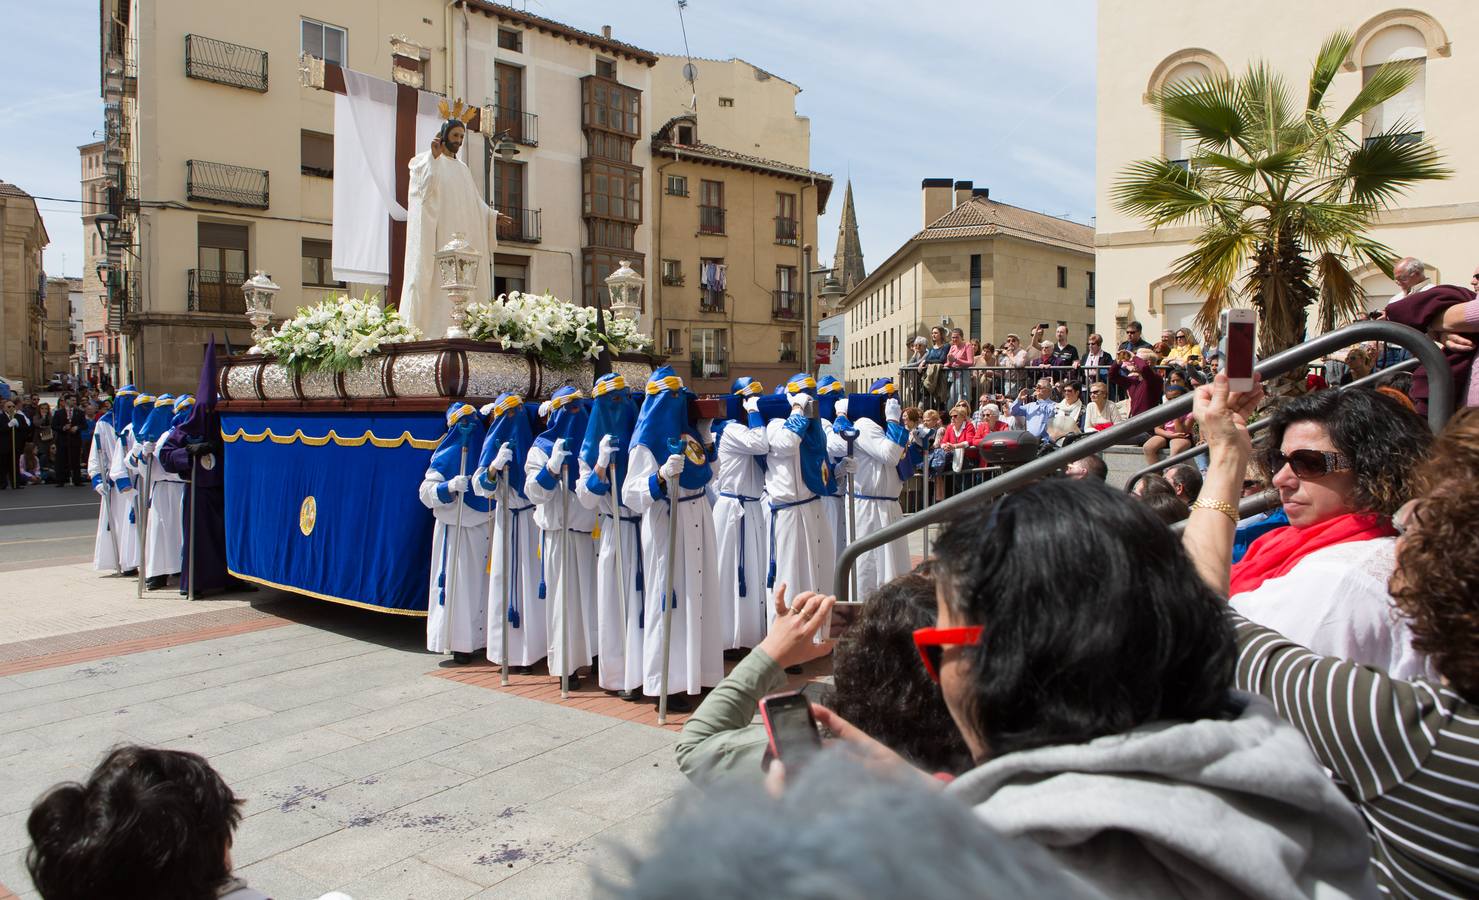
606,32
962,192
983,193
936,198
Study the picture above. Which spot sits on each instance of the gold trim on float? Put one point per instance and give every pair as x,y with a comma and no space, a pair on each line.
317,596
298,435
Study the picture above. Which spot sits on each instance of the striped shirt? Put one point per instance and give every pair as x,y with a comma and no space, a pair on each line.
1405,752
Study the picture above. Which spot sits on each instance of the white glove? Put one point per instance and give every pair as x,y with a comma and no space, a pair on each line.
544,410
672,468
15,423
800,402
841,408
751,404
487,409
477,483
101,487
893,410
605,451
557,457
459,484
705,428
148,449
846,466
504,457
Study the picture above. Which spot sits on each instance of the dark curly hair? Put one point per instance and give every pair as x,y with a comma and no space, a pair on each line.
883,689
1383,440
149,824
1055,666
1437,579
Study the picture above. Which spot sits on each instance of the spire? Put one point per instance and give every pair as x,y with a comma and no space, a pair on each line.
848,259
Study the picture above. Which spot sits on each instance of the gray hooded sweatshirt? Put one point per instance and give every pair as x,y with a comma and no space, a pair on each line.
1206,809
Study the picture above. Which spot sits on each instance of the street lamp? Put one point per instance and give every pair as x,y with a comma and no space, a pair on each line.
457,263
504,146
104,222
832,290
259,291
625,287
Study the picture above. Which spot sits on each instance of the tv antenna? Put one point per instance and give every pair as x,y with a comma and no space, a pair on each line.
690,71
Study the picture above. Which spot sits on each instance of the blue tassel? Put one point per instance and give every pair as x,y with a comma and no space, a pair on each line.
131,520
513,615
642,617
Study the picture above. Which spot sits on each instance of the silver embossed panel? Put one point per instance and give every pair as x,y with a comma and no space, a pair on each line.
367,380
581,375
634,373
490,374
241,382
319,386
415,374
277,383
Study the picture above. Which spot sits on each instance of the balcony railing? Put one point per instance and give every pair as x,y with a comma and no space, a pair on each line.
672,279
710,300
215,292
788,356
785,230
522,225
522,127
225,63
711,219
216,182
785,305
709,368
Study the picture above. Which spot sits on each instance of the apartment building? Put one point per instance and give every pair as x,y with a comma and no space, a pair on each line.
22,285
221,163
54,329
1146,46
980,265
99,346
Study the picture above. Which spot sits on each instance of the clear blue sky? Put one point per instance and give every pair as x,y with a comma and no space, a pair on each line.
998,93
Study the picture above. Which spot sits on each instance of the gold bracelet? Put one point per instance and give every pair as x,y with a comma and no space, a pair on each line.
1221,506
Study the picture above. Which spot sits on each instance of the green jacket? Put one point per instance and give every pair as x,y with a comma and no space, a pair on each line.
722,740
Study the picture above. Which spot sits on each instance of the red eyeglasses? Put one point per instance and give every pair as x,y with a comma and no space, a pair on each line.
931,643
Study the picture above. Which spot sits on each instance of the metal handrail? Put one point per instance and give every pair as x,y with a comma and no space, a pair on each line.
1406,365
1440,405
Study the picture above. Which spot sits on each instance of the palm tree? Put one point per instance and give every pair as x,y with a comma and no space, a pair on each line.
1284,195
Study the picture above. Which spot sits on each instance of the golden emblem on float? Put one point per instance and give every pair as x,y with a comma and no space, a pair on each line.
694,450
307,515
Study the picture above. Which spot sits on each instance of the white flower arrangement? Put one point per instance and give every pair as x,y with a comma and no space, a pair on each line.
559,333
336,335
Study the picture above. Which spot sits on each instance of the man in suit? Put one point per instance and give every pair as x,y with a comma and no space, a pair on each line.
67,424
15,433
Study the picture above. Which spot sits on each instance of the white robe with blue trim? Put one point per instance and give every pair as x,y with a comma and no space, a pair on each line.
513,581
618,622
166,534
116,538
741,533
568,553
696,654
457,595
804,548
877,476
125,502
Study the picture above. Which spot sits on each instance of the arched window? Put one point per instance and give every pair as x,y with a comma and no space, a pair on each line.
1174,145
1402,114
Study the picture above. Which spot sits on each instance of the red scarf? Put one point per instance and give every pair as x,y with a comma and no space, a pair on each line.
1275,553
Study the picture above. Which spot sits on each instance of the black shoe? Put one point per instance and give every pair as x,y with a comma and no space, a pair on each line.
632,696
461,658
521,670
680,703
573,683
129,573
158,582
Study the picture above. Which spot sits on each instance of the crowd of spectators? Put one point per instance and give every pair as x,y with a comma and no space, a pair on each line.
40,444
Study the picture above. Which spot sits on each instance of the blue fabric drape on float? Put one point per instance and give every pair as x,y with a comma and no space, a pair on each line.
332,516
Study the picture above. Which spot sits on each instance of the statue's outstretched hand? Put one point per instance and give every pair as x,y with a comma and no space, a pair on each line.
436,148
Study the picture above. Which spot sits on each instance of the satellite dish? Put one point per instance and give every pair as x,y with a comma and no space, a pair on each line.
690,73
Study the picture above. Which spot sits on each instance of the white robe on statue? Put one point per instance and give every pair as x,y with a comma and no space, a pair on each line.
166,534
126,496
803,548
457,596
618,620
569,556
113,537
696,654
443,201
876,486
513,581
740,530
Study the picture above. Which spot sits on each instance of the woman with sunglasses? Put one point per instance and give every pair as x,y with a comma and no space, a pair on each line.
1342,462
1405,751
1100,412
1184,350
1105,729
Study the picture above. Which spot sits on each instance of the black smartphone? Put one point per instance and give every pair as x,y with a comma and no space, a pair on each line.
791,728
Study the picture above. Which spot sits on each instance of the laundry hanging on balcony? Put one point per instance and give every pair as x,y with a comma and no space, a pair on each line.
712,276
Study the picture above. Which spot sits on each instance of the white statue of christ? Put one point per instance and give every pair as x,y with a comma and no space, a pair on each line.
443,200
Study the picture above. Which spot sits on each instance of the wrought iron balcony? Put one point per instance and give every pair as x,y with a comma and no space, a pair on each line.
786,305
788,356
672,279
523,225
225,63
215,292
215,182
710,300
785,230
711,219
522,127
709,367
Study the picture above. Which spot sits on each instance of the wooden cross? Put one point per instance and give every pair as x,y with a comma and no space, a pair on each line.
327,76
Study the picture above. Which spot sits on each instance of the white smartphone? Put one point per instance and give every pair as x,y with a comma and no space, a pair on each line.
1239,331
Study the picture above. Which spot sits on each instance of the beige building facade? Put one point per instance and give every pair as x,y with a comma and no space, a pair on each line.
731,228
1146,46
980,265
55,329
98,354
22,312
742,107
